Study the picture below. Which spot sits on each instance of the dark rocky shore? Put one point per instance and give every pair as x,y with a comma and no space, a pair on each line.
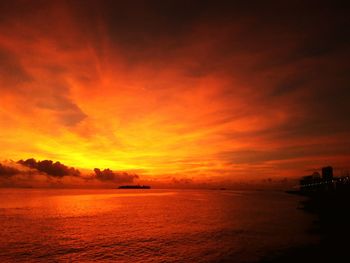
332,210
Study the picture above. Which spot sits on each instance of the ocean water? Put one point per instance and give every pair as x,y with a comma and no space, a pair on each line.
148,225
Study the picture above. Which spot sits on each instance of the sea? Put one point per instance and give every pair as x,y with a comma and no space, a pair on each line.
156,225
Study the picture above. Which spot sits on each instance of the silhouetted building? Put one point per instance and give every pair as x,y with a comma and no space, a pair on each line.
327,173
327,183
311,182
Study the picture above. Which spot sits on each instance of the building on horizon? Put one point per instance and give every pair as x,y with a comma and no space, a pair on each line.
316,182
327,173
325,183
311,182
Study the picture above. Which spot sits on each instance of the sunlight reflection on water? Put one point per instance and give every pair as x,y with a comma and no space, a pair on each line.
147,225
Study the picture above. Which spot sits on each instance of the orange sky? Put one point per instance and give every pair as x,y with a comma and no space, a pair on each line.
174,89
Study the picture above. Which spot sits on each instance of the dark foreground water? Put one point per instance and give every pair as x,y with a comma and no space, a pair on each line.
149,225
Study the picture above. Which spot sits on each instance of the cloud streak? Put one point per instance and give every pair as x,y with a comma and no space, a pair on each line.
198,89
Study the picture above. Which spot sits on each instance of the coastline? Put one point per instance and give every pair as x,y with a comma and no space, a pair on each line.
332,224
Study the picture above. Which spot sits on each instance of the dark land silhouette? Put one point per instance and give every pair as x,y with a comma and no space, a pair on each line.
134,187
327,198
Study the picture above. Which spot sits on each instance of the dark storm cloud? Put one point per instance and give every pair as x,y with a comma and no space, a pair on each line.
116,177
55,169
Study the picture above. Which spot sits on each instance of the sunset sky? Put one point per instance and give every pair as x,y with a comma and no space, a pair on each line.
201,90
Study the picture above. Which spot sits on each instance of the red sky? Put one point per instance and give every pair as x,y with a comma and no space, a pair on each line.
206,90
